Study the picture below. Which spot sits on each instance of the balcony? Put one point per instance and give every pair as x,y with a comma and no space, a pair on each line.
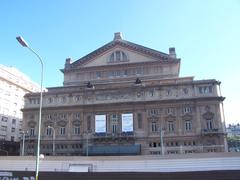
210,131
113,136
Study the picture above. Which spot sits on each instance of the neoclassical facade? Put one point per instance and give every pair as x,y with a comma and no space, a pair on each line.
124,99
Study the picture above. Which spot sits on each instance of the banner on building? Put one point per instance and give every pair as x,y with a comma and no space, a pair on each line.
127,122
100,123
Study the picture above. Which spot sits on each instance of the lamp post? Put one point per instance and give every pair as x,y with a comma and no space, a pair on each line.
24,44
23,143
53,139
161,137
87,143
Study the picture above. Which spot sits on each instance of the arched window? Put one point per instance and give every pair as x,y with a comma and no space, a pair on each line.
118,56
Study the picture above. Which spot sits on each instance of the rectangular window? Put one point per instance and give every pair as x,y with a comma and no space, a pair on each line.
13,130
78,115
76,130
139,120
125,73
118,73
89,124
139,71
153,112
188,125
3,128
187,109
4,119
98,75
62,130
12,138
110,74
185,91
49,131
169,110
114,122
114,118
154,127
209,124
114,128
151,93
171,126
205,89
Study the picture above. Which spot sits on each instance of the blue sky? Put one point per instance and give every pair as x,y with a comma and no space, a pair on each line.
206,35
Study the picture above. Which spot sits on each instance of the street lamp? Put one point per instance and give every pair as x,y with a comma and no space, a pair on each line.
161,137
24,44
23,143
53,139
86,141
87,145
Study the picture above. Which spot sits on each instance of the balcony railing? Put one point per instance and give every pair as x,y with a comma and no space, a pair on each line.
122,134
210,131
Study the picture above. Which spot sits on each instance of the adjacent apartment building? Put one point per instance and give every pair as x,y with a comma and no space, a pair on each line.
13,86
123,99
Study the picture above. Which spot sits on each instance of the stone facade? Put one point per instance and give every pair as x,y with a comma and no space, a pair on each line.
171,114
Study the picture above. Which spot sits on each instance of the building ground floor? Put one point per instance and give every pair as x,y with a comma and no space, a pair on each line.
94,145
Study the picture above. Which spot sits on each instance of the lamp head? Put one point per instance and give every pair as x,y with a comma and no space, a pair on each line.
22,41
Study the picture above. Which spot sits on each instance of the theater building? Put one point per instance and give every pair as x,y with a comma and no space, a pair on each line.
127,99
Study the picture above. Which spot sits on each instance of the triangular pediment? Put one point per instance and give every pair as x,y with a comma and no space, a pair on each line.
109,58
134,54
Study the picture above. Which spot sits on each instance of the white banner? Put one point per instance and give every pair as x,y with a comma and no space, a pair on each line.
100,123
127,122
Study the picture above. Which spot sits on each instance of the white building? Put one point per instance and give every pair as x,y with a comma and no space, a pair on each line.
13,86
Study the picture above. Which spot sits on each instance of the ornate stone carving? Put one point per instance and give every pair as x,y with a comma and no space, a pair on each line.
153,119
48,123
170,117
76,123
32,123
62,123
187,117
208,115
